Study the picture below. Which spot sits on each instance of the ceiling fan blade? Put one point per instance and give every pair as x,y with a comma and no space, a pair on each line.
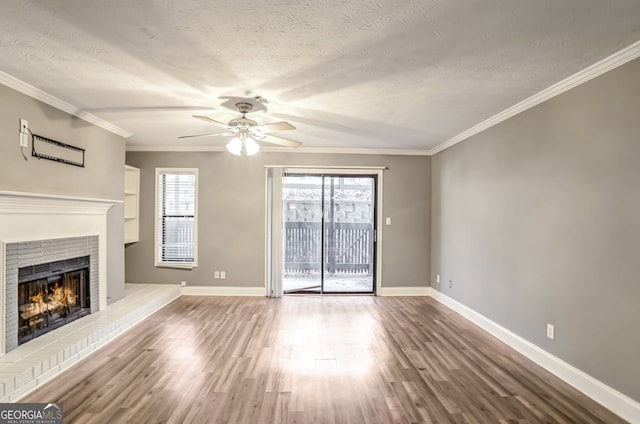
280,141
207,119
276,126
225,134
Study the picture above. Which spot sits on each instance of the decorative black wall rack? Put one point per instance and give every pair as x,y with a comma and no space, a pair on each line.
77,150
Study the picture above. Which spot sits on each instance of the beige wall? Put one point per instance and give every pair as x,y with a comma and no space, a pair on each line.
536,221
232,216
102,177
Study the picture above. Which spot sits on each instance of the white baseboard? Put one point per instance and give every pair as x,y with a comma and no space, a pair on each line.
223,291
404,291
611,399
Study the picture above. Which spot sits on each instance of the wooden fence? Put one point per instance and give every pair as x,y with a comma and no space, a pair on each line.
348,248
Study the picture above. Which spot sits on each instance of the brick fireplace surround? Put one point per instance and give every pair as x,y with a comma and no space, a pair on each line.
18,255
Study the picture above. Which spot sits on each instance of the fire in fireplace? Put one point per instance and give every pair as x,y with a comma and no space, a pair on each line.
51,295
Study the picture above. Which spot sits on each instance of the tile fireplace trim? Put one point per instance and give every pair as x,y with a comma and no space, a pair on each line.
35,216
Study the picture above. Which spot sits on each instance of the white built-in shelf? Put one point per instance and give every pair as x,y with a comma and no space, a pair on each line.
131,204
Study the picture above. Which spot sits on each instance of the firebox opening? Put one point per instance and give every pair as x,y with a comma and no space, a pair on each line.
52,295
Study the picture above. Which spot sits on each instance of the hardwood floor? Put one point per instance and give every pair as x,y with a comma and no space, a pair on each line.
311,359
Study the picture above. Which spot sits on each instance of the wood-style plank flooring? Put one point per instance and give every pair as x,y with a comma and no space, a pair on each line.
312,359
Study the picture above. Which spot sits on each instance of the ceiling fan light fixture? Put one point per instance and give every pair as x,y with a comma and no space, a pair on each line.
235,146
250,146
246,132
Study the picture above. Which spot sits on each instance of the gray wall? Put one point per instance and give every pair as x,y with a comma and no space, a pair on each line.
102,177
232,216
536,221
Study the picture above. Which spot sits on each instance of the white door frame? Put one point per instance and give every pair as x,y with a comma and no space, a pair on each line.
273,233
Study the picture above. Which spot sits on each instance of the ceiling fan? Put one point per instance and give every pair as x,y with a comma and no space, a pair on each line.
246,132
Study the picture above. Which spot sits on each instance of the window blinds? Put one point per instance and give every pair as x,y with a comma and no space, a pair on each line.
176,217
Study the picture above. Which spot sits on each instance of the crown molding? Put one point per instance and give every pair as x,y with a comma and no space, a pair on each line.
615,60
350,151
54,101
173,148
311,150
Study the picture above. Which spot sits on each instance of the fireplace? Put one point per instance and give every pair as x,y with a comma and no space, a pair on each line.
49,283
41,228
51,295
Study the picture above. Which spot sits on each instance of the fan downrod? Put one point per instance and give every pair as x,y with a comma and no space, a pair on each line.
243,108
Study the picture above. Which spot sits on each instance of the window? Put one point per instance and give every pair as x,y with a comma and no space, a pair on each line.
176,217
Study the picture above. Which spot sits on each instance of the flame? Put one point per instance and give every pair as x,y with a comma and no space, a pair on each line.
58,298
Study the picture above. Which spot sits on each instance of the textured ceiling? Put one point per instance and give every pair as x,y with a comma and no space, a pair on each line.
382,74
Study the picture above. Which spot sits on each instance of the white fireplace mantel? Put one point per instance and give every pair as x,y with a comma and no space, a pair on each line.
33,216
12,202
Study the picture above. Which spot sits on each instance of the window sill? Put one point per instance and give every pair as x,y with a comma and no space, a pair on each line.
178,266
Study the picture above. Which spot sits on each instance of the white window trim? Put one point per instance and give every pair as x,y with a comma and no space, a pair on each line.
185,265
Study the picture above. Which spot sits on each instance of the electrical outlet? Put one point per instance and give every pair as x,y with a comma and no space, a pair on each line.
387,221
216,274
183,284
223,275
450,283
437,278
551,331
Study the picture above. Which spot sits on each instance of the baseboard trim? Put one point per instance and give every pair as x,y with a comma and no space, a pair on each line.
608,397
223,291
404,291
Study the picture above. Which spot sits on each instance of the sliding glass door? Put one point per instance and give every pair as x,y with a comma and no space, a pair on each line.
328,233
